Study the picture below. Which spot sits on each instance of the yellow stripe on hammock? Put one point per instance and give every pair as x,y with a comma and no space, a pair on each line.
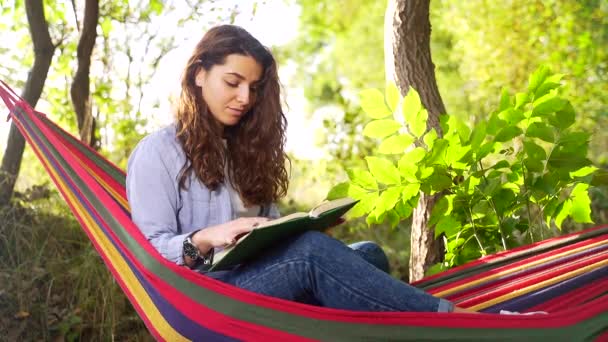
107,248
538,286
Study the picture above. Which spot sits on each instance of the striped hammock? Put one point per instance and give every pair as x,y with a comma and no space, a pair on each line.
565,276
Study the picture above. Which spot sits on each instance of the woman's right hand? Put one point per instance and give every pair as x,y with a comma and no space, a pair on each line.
225,234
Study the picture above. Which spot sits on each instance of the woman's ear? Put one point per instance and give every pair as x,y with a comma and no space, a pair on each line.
199,78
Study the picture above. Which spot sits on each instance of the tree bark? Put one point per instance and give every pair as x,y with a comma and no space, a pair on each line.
80,89
409,64
43,51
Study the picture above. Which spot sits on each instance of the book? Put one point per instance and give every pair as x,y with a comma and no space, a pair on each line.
275,231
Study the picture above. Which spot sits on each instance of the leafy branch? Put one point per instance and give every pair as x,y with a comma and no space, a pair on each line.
524,167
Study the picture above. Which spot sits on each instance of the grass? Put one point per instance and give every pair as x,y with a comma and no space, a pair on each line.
53,284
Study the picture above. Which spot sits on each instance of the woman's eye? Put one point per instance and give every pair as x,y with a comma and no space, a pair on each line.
233,85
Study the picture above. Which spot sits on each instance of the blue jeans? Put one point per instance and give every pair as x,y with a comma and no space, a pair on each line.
314,268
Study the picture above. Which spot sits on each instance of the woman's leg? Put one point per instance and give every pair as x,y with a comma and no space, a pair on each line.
315,268
372,253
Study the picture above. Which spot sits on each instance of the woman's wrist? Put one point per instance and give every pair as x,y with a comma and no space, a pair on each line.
202,242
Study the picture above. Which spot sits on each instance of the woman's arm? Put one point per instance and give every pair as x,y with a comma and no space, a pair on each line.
153,197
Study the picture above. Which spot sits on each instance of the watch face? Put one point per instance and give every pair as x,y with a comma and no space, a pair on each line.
190,250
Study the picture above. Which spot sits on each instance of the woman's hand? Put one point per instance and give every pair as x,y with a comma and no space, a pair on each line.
225,234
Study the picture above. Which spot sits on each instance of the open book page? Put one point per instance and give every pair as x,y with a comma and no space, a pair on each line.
276,231
329,205
281,219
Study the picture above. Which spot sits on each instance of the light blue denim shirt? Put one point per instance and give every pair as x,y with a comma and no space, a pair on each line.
165,213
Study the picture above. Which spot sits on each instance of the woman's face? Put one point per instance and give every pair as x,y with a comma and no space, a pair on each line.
230,89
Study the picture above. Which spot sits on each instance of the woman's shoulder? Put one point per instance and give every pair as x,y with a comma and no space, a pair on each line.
162,143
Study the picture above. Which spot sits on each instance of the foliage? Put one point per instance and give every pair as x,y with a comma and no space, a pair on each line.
504,42
338,51
525,166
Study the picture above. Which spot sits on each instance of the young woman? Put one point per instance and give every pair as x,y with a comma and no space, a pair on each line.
215,173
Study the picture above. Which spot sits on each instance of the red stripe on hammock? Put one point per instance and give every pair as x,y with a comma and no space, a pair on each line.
505,289
514,265
504,254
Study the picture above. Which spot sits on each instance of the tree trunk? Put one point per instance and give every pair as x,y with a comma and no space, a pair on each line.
80,89
408,62
43,51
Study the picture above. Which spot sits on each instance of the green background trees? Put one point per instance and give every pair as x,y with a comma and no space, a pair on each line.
338,52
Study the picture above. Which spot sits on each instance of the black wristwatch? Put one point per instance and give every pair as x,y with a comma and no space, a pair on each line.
191,251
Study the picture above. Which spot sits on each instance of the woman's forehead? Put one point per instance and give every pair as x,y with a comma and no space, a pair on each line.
242,67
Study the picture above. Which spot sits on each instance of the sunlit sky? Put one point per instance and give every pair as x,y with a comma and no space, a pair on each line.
274,23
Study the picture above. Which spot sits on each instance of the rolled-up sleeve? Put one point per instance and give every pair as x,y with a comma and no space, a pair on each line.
153,195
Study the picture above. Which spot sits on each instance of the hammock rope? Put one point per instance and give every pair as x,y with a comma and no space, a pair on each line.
566,276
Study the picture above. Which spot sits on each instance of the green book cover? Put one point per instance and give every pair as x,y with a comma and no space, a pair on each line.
273,232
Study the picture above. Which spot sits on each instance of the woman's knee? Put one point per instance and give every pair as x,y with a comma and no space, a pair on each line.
372,253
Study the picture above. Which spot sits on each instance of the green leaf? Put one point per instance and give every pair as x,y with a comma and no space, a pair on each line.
418,125
416,155
478,135
425,172
355,191
407,169
505,101
484,150
537,78
393,218
533,164
508,133
563,118
338,191
429,138
365,205
512,116
383,170
495,124
447,225
440,181
455,152
410,191
156,6
534,151
411,105
362,178
500,165
389,198
373,104
392,96
548,104
435,269
403,209
381,128
437,154
106,26
581,204
442,208
520,100
552,82
396,144
585,171
541,131
563,210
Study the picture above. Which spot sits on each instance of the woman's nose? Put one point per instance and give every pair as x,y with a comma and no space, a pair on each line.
243,95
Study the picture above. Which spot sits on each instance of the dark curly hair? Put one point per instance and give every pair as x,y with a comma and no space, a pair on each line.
254,153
